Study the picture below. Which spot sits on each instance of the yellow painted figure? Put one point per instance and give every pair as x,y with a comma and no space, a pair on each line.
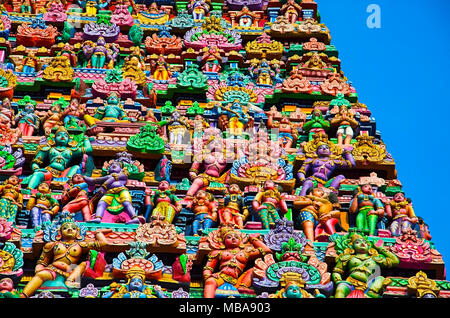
63,257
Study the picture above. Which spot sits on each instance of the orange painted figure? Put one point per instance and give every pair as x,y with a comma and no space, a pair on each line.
233,205
76,197
231,258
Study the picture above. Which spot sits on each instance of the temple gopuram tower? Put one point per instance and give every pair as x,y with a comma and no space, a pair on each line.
195,149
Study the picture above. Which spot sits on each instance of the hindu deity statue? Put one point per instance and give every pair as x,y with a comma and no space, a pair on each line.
100,54
262,72
67,51
233,117
268,203
64,155
74,113
52,118
30,64
114,195
75,198
163,202
293,287
111,111
61,257
317,208
356,266
135,287
287,132
27,120
7,289
317,124
292,11
211,59
212,158
198,8
345,124
368,208
323,158
6,113
11,199
204,207
178,128
26,7
8,135
42,205
161,71
199,124
226,263
401,212
233,205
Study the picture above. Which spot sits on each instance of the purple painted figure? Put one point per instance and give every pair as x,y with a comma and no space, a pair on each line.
115,197
322,168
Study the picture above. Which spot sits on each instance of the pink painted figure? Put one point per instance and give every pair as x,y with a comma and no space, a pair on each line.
213,160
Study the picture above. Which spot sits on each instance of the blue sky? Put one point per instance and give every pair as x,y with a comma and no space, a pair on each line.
402,73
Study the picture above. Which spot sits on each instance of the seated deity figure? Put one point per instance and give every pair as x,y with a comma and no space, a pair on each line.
62,255
111,111
63,155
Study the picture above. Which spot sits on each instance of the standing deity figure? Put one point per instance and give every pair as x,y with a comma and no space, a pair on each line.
292,11
262,73
111,111
358,262
345,124
27,121
318,213
135,287
161,71
11,199
115,197
317,124
100,54
178,128
401,212
233,117
287,132
61,152
75,198
210,155
233,205
42,205
62,255
323,158
163,202
204,207
268,203
368,208
198,8
232,252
